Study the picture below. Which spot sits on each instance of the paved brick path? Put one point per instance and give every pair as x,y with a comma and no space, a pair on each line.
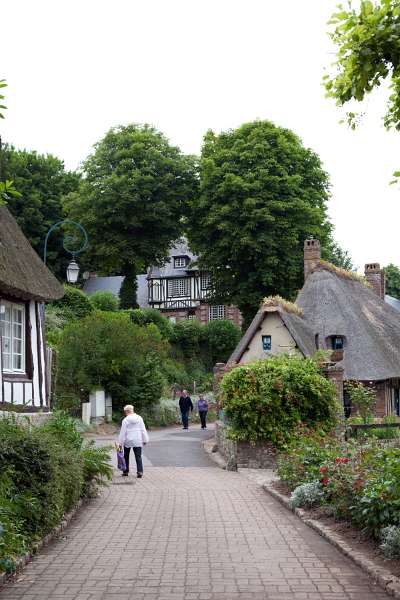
189,534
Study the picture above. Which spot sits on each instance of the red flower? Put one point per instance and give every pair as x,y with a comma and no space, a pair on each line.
345,460
325,481
323,470
341,461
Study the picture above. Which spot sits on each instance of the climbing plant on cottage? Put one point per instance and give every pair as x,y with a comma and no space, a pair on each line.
268,399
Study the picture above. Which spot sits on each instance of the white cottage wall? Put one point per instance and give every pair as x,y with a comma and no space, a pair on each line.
281,340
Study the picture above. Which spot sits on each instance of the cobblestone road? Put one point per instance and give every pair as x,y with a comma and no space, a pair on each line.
189,533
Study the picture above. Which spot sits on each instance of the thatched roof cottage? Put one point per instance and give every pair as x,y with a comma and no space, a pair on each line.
340,311
25,284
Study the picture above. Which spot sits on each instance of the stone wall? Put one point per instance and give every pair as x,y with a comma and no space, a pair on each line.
242,454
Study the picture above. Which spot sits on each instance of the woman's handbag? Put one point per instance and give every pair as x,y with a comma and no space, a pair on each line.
121,459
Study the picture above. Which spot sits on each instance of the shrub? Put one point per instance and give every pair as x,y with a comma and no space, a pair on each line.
75,304
267,400
55,323
378,498
222,338
307,495
390,545
145,316
104,301
43,472
187,336
106,350
362,398
302,458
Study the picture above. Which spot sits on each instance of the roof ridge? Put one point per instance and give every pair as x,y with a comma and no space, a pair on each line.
340,272
286,305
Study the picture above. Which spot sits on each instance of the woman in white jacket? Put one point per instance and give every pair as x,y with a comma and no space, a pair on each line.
133,434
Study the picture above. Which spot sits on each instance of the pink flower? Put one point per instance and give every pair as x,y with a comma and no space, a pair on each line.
325,481
323,470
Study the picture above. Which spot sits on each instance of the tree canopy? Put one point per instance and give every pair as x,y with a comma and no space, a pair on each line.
392,274
261,194
41,181
368,51
131,201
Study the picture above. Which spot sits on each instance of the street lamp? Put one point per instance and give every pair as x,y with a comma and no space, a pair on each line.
73,267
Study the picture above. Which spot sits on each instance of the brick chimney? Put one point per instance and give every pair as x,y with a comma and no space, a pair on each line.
312,255
376,278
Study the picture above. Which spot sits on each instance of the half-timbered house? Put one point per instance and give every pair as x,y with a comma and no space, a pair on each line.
25,285
180,290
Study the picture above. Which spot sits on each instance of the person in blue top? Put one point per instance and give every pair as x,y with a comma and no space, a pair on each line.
202,409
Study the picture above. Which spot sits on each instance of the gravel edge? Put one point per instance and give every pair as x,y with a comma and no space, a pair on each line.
52,535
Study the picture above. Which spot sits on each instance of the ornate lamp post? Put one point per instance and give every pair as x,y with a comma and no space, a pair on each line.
73,267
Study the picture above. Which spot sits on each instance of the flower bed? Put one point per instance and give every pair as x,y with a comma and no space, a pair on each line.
44,471
354,481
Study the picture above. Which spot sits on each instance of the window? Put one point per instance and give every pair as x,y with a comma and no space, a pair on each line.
12,329
172,319
337,342
205,281
179,262
217,312
266,343
191,317
178,287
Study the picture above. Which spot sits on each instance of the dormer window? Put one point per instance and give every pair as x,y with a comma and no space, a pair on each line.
180,262
337,342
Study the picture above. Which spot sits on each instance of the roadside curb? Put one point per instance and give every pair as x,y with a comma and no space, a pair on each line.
381,576
215,456
51,536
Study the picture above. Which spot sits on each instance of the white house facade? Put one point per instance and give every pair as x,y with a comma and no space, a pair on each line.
25,285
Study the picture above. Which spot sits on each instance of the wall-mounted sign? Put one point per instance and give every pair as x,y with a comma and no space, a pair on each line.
266,343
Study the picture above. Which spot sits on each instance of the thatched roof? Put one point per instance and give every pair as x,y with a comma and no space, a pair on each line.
22,272
337,305
296,325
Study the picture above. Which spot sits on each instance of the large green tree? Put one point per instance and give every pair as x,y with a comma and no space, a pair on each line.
131,201
392,274
41,181
261,194
368,51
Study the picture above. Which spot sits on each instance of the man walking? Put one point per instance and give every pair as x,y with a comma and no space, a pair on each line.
133,435
186,406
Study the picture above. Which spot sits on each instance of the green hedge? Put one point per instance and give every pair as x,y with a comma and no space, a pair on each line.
267,400
44,470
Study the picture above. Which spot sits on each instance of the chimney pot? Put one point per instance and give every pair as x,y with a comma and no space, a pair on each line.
376,278
312,255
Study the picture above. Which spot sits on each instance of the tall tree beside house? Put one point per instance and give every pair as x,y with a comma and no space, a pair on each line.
392,275
41,181
131,201
261,194
368,52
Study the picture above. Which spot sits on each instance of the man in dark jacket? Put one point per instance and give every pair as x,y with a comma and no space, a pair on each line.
186,406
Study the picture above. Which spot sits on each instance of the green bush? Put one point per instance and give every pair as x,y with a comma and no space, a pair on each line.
187,337
104,301
75,304
106,350
222,338
267,400
145,316
44,471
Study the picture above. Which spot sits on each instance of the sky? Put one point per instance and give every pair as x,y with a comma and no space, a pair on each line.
77,68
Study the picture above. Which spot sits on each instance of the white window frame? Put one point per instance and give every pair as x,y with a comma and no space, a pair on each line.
178,288
217,312
12,338
205,281
179,262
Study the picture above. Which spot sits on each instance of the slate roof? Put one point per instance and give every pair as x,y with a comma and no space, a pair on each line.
334,304
180,248
22,272
296,325
113,284
394,302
